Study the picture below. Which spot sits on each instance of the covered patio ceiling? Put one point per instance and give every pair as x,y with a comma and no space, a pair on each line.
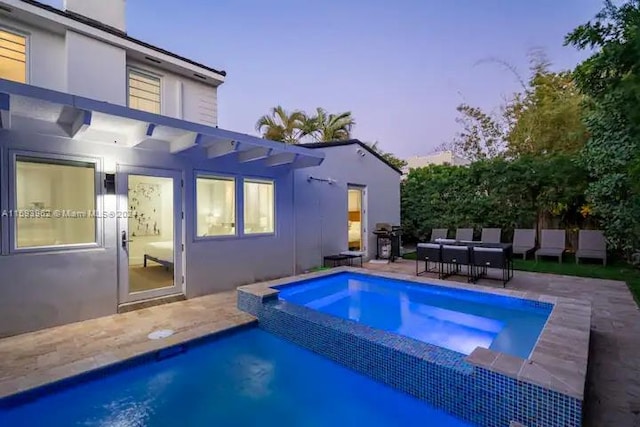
34,109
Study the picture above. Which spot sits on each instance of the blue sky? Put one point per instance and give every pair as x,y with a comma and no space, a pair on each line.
401,67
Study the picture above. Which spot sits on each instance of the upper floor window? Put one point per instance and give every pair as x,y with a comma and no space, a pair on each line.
144,91
13,57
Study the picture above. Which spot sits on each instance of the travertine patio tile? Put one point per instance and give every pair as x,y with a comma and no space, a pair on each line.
507,365
37,358
482,357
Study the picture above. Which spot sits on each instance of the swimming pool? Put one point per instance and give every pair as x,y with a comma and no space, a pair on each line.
456,319
247,378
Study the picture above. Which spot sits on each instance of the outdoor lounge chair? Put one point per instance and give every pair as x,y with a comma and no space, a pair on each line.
524,241
552,243
591,244
464,234
491,235
439,233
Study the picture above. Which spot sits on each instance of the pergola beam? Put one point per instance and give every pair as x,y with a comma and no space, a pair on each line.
253,154
222,148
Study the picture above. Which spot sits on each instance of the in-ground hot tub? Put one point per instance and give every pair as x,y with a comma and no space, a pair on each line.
488,356
455,319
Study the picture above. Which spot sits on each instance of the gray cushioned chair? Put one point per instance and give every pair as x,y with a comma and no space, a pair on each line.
439,233
429,253
485,258
591,244
452,257
524,241
464,234
491,235
552,243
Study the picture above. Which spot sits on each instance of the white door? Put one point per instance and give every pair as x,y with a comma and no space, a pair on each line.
150,249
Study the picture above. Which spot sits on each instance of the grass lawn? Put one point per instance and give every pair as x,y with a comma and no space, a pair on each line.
614,271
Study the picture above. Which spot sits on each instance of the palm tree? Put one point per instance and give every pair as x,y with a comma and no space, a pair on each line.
281,126
324,127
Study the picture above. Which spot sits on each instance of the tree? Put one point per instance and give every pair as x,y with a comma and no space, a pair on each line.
482,136
545,118
610,77
281,126
389,157
324,127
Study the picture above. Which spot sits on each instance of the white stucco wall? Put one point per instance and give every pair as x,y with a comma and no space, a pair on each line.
183,98
321,208
200,103
45,289
95,69
72,62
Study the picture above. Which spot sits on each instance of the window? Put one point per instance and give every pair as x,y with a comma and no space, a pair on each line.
215,206
13,57
258,207
55,202
144,91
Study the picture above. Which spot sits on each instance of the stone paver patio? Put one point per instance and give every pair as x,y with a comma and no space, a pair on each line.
613,379
613,384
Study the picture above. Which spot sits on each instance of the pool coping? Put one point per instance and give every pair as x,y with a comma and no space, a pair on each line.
558,361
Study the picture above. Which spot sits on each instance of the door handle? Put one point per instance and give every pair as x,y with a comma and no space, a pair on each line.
124,239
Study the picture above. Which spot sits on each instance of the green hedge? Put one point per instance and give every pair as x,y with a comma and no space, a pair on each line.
494,193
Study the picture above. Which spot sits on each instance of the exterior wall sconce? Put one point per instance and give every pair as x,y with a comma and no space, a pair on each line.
110,183
361,152
327,180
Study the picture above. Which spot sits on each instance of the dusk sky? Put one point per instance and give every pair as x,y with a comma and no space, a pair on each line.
401,67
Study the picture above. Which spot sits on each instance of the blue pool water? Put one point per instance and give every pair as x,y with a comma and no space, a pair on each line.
455,319
249,378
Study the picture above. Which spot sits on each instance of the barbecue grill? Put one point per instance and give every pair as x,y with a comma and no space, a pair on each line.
387,241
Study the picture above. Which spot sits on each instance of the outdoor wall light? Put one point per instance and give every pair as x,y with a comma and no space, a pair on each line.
361,152
110,183
329,181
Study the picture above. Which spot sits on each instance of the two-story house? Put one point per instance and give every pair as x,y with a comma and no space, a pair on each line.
117,186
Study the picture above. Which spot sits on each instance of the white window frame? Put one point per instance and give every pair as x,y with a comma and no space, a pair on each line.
27,49
275,198
222,177
151,74
54,158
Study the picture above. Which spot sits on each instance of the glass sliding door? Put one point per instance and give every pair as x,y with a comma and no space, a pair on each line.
150,242
355,218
